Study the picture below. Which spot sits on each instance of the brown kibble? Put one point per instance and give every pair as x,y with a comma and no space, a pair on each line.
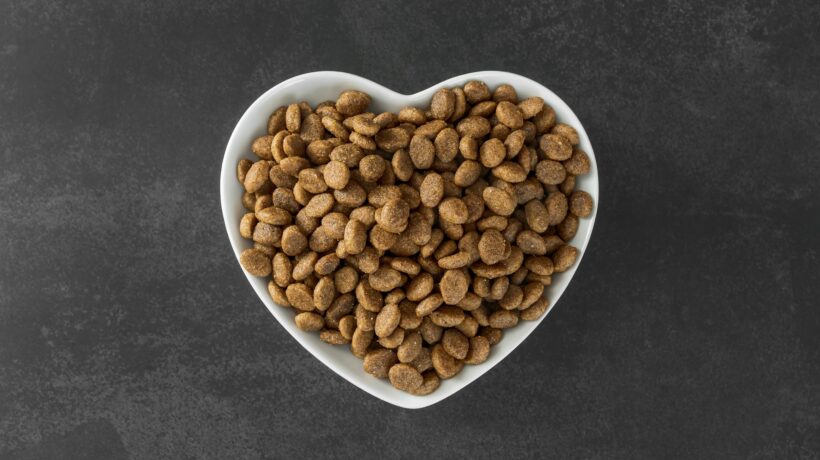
578,163
536,310
499,201
557,207
393,216
242,169
564,258
392,139
511,172
255,262
378,362
503,319
336,175
492,153
467,173
568,132
491,246
261,147
446,144
360,340
349,154
555,147
531,106
405,377
372,167
479,350
393,340
580,203
483,109
293,118
352,102
455,343
300,297
346,279
319,205
422,152
309,322
550,172
568,227
442,104
453,286
468,147
333,337
475,127
246,225
410,347
512,298
257,176
541,265
387,320
412,115
453,210
476,91
493,335
445,365
447,316
429,304
385,279
276,121
505,92
293,241
530,243
509,114
431,190
430,383
324,293
355,236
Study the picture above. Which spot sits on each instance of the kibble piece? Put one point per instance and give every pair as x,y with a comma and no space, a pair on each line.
349,154
467,173
430,382
412,115
293,118
336,175
293,241
499,201
509,114
550,172
564,258
491,246
453,286
276,121
555,147
429,304
422,152
387,320
531,106
410,347
360,340
557,207
447,316
505,92
393,215
503,319
442,104
256,176
475,127
261,147
468,147
372,167
405,377
568,227
309,322
541,265
378,362
578,163
514,143
483,109
446,144
346,279
455,343
393,340
246,225
431,190
385,279
300,297
476,91
530,243
512,298
492,153
453,210
566,131
242,169
392,139
580,203
534,311
255,262
355,236
479,350
445,365
352,102
324,293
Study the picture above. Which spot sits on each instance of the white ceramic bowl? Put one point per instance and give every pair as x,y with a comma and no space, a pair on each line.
316,87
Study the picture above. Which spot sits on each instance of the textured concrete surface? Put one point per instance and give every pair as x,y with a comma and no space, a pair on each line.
691,331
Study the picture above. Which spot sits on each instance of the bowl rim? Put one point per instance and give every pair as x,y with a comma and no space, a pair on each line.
238,142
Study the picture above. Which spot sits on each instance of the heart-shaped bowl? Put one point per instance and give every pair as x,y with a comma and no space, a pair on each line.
316,87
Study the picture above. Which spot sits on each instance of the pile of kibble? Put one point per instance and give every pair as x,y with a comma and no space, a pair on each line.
414,238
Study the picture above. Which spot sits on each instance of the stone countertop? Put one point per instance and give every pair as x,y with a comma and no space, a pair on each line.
691,330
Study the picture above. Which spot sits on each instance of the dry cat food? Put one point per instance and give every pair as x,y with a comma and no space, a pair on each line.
414,238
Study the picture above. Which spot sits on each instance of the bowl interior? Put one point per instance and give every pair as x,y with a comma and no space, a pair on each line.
321,86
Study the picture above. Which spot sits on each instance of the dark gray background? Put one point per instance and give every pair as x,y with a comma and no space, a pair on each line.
691,329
